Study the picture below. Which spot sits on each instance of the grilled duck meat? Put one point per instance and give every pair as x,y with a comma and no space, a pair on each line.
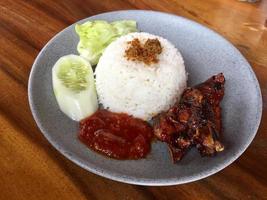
194,121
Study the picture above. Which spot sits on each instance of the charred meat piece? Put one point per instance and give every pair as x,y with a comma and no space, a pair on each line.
194,121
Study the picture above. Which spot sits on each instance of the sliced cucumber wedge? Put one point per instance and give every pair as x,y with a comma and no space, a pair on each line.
74,87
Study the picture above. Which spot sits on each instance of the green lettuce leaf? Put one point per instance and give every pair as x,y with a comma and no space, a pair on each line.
95,36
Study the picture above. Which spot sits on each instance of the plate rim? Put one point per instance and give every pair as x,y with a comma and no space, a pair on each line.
145,181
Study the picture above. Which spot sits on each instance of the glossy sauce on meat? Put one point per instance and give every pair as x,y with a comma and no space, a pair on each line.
116,135
194,121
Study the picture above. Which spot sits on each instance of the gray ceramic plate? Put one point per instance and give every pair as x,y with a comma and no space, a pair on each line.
205,53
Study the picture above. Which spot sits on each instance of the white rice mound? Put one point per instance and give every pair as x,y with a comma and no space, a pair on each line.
135,88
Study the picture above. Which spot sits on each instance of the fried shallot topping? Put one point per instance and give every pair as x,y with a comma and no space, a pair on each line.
146,52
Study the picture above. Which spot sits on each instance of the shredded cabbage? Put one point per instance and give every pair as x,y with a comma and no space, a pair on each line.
95,36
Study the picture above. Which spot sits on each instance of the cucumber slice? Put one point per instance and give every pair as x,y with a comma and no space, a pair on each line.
74,87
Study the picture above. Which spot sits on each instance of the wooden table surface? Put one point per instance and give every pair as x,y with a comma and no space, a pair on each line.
30,168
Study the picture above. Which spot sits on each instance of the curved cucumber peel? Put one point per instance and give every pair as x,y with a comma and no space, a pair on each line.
74,87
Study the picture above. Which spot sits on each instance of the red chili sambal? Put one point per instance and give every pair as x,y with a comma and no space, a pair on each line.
116,135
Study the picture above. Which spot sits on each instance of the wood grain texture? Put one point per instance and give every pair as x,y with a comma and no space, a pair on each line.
30,168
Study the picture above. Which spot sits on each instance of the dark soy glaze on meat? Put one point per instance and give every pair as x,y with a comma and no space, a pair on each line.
194,121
